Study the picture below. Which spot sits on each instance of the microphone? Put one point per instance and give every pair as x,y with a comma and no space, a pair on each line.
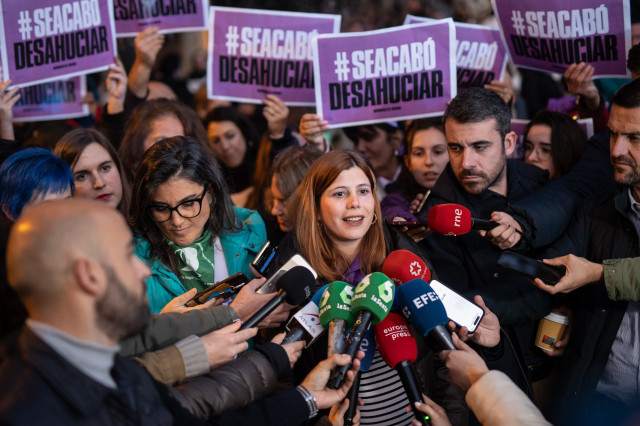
372,302
305,324
402,266
423,309
399,350
454,219
368,346
335,314
294,287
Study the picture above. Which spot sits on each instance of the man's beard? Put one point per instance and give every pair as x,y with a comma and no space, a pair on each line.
629,178
119,312
486,181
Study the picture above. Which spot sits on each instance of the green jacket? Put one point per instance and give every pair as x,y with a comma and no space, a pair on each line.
622,279
239,250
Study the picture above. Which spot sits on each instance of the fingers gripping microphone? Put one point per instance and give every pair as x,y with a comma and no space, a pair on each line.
371,302
402,266
305,324
368,346
335,314
423,309
398,348
294,287
454,219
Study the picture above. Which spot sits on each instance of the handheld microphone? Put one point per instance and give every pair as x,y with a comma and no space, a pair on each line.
368,345
335,314
454,219
305,324
423,309
402,266
371,302
294,287
399,350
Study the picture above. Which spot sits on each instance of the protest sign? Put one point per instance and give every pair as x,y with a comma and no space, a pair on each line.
53,100
391,74
519,125
253,53
169,16
480,53
548,35
45,40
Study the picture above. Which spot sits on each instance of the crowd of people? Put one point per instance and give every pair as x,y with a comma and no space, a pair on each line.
111,225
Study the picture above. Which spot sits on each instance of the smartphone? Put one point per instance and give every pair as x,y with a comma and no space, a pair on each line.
424,200
531,268
459,309
407,223
296,260
260,264
234,283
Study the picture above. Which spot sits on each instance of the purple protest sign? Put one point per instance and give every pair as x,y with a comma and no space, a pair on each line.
519,125
45,40
169,16
391,74
481,55
253,53
548,35
53,100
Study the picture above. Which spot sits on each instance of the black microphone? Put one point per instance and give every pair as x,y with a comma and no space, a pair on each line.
294,287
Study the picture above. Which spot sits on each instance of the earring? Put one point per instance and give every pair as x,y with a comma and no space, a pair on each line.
396,152
375,218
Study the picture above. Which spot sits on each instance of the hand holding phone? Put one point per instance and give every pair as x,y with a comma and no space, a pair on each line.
227,287
531,268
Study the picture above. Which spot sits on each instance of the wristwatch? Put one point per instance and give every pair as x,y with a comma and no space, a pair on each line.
310,400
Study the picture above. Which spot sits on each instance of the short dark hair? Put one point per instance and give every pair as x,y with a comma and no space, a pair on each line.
633,59
179,157
477,104
232,114
628,96
366,131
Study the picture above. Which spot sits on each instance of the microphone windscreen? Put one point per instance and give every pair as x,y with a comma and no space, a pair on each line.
318,295
336,304
297,282
450,219
368,346
395,340
421,306
402,266
374,294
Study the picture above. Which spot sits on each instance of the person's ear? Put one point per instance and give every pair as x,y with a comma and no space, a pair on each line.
5,210
89,275
396,139
510,142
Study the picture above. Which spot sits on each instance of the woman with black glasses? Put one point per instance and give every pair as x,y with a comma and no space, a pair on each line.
189,232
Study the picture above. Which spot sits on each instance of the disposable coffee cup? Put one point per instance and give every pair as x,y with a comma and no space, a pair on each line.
550,330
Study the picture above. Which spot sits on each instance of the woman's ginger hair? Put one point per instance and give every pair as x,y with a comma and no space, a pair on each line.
310,235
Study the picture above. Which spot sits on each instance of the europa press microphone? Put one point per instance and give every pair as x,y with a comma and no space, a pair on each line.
402,266
336,315
368,347
294,287
371,302
423,309
454,219
398,348
305,324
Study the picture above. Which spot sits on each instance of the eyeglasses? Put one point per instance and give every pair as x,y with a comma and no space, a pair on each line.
543,150
187,209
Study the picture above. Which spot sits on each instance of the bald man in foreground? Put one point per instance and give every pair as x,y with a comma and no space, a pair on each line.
72,263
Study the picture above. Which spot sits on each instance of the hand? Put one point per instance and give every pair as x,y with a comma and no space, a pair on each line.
561,344
177,304
579,273
507,234
579,78
148,43
338,410
436,413
225,344
502,88
312,127
277,114
487,333
316,380
116,86
8,99
465,365
294,349
413,207
248,302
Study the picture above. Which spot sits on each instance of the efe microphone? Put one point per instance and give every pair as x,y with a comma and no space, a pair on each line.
368,346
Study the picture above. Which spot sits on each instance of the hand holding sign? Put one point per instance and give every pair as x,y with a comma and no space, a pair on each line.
148,44
579,78
8,99
312,127
277,114
116,86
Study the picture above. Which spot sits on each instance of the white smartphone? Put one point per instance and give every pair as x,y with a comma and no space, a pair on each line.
296,260
459,309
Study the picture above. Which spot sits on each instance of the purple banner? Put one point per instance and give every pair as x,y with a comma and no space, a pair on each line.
391,74
170,16
481,55
45,40
254,53
518,126
54,100
549,35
